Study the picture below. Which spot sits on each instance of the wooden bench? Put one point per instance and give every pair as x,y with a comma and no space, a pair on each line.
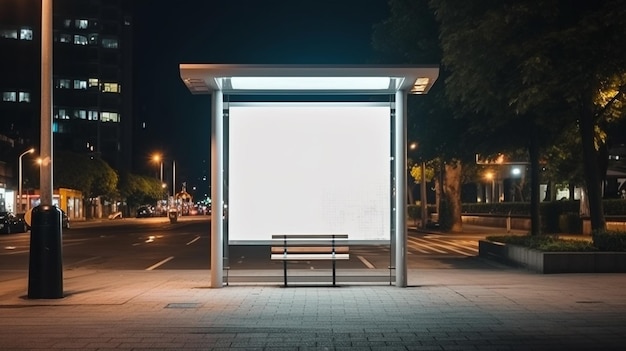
309,247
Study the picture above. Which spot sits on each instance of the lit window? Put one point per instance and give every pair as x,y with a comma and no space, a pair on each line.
67,23
81,23
80,39
93,115
26,34
80,84
9,33
93,39
111,88
93,82
24,96
9,96
61,114
65,38
110,117
64,84
80,114
109,43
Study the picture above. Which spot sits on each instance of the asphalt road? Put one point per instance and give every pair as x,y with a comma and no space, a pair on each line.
155,243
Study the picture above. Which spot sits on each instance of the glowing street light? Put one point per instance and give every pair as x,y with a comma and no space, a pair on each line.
490,176
19,178
159,159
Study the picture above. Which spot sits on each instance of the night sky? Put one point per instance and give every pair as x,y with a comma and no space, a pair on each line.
229,31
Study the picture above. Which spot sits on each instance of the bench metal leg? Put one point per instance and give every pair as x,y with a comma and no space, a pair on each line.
285,272
334,277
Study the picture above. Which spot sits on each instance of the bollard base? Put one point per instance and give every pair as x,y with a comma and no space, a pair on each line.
45,273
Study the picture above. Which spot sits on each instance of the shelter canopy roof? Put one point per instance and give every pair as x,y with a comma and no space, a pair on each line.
308,79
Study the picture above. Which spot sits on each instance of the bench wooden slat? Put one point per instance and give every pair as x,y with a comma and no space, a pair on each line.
309,249
308,236
310,257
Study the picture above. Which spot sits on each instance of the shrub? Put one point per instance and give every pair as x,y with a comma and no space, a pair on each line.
610,241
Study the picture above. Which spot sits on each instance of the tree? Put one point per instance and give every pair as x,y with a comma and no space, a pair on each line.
89,174
536,68
138,189
410,35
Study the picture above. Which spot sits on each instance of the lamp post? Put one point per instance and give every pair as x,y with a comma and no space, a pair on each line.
158,158
45,273
491,177
19,178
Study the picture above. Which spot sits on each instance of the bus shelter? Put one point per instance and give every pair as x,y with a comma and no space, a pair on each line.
308,149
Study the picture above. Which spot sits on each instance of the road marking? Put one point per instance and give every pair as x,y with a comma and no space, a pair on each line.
76,264
366,262
194,240
157,265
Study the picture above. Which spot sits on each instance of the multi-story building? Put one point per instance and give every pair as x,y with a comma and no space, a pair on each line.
92,79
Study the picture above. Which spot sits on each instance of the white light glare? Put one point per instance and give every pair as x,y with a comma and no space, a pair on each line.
310,83
516,171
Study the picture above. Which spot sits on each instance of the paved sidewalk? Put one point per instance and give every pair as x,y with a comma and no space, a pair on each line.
492,307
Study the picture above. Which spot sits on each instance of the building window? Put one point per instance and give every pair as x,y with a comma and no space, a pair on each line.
26,34
80,114
9,33
111,88
64,84
93,82
109,43
9,96
80,84
81,23
93,39
67,23
93,115
61,114
65,38
80,40
110,117
24,96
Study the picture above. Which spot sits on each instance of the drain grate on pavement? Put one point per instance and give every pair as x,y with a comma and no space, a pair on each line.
183,305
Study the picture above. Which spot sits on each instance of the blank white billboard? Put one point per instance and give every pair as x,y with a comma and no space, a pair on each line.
308,168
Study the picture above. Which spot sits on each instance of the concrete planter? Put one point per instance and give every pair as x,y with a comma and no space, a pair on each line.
554,262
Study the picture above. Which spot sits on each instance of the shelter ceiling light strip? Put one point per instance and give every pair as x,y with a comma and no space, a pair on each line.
310,83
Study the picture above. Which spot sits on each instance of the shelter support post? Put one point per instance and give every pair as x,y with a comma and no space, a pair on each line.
217,190
400,158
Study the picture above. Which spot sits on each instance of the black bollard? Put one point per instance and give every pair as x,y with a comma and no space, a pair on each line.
45,274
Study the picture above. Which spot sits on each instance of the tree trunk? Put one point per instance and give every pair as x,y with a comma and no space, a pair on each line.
535,213
452,189
591,168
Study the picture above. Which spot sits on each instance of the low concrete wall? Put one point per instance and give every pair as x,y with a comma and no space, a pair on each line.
618,223
498,221
554,262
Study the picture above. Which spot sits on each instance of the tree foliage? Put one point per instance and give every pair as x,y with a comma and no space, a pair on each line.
138,189
89,174
537,69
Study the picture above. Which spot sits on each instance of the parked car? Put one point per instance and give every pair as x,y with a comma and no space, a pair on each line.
10,223
145,211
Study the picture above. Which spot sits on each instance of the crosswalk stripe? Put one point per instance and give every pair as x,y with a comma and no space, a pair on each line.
426,246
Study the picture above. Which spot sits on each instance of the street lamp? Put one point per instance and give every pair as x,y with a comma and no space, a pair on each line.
491,177
19,178
158,158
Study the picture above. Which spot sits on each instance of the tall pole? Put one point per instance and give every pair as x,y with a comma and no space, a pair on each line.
45,274
217,190
174,180
161,171
45,172
19,179
400,158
